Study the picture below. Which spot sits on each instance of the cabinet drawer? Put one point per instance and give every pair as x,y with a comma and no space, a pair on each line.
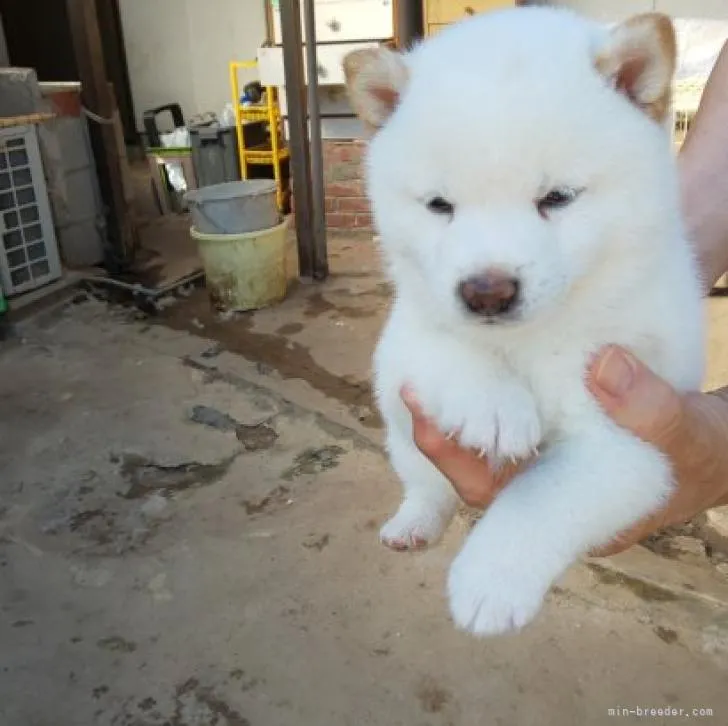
333,101
345,20
440,12
330,58
433,28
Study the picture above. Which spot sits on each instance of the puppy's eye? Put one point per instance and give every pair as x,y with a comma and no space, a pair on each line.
438,205
556,199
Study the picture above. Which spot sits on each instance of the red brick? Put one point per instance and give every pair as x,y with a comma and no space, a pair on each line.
354,204
331,204
335,152
342,171
340,220
331,154
351,153
363,221
354,188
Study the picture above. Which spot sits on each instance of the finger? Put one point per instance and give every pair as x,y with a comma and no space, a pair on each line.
428,438
634,397
470,474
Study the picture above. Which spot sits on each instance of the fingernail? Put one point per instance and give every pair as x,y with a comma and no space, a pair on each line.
616,372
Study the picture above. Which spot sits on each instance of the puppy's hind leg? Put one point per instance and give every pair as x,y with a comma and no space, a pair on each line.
429,500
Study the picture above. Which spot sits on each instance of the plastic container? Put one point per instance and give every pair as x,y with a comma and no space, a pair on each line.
215,153
234,207
245,271
151,129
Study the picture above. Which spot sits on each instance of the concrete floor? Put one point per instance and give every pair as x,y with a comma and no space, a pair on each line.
189,509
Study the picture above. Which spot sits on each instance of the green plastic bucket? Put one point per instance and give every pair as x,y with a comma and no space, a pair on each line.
245,271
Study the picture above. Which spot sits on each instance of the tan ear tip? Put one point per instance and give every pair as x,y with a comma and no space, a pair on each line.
665,30
354,60
668,38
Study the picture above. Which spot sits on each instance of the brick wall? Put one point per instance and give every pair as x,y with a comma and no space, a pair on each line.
347,207
346,204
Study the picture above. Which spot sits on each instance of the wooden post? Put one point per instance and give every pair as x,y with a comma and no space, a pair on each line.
108,149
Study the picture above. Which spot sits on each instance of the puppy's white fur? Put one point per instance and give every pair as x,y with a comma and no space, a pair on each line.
491,114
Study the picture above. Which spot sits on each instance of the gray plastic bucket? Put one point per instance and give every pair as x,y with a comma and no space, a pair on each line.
234,207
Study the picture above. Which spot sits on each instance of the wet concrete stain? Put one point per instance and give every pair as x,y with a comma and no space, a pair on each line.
290,329
116,644
270,501
432,697
146,704
212,418
667,635
212,352
147,477
79,519
246,684
382,290
314,461
191,696
95,525
317,543
649,592
256,437
317,305
285,407
99,691
289,358
22,623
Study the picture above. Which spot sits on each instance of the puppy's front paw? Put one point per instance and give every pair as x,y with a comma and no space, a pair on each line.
501,421
491,595
416,525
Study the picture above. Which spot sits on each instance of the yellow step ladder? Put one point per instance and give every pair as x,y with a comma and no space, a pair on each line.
274,154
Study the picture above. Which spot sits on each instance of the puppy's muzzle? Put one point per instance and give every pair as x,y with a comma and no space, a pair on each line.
491,294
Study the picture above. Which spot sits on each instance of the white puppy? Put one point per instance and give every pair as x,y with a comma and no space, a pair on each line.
523,183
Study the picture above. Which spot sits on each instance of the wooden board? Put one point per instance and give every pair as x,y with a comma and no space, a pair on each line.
33,118
444,12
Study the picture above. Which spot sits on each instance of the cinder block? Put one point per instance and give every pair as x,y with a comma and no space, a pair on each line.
19,92
71,137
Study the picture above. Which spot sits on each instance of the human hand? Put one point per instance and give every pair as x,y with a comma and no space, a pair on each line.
691,430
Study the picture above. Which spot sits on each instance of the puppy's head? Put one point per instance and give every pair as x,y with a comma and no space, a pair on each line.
514,154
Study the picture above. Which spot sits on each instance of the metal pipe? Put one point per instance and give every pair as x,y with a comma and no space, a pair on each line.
320,255
139,289
295,81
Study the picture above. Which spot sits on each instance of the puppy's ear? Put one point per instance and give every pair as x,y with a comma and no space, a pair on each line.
375,78
639,60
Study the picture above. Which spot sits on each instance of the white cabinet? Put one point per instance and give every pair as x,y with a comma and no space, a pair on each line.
341,26
340,21
329,70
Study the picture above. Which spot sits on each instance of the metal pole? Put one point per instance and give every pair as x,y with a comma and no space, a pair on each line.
298,132
321,262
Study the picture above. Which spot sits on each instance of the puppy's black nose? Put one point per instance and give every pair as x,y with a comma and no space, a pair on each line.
491,293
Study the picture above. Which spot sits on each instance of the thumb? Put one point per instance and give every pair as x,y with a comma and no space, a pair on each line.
634,397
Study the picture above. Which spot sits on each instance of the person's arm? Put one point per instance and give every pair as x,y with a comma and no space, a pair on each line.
703,167
691,430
